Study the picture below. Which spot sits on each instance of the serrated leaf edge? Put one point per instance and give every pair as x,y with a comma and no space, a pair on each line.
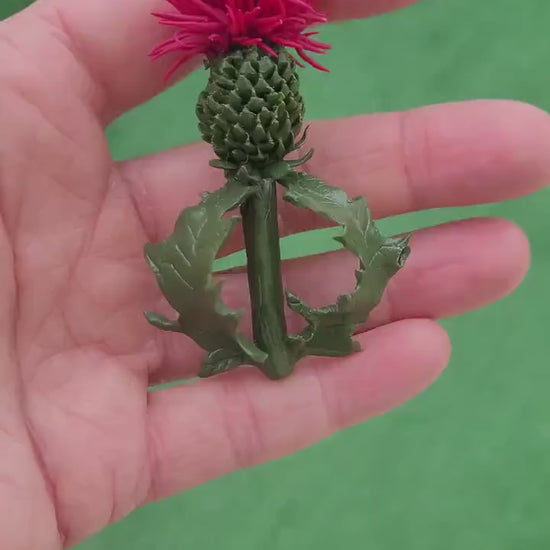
311,315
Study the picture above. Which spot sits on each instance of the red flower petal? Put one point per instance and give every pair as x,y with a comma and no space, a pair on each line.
211,27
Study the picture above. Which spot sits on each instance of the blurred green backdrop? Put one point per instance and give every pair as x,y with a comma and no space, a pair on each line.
466,465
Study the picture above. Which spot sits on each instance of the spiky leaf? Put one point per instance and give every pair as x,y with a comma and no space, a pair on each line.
183,266
330,329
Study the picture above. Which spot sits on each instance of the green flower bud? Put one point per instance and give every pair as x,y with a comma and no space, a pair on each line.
251,110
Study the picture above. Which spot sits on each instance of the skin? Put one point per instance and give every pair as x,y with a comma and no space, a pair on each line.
83,442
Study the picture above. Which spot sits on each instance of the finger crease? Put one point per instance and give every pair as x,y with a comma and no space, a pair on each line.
406,141
139,195
49,481
245,439
67,38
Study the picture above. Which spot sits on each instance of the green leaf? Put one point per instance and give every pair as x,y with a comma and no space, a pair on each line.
183,266
330,329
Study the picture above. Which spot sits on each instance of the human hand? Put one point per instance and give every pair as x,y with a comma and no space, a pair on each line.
82,441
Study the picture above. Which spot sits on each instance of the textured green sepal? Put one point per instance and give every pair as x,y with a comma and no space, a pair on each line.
330,329
183,265
224,165
251,109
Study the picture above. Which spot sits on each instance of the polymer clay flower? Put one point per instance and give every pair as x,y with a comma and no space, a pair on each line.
251,112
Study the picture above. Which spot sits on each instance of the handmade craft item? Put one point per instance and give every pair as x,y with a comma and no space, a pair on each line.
252,113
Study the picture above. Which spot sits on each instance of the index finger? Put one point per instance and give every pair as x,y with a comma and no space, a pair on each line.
356,9
112,38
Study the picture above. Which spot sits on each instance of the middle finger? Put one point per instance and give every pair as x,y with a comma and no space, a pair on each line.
444,155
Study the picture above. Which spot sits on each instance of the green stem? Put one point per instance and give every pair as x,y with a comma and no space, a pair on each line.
261,234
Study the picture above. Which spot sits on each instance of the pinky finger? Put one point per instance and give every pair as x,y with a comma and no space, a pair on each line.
209,428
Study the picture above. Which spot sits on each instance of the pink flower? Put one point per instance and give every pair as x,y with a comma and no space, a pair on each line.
213,27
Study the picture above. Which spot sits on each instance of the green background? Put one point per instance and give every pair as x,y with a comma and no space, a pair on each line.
465,465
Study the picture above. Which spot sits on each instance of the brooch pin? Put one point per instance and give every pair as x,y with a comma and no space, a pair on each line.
252,112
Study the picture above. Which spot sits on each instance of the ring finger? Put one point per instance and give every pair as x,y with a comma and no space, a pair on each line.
453,268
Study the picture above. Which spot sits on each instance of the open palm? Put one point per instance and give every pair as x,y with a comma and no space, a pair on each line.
82,441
